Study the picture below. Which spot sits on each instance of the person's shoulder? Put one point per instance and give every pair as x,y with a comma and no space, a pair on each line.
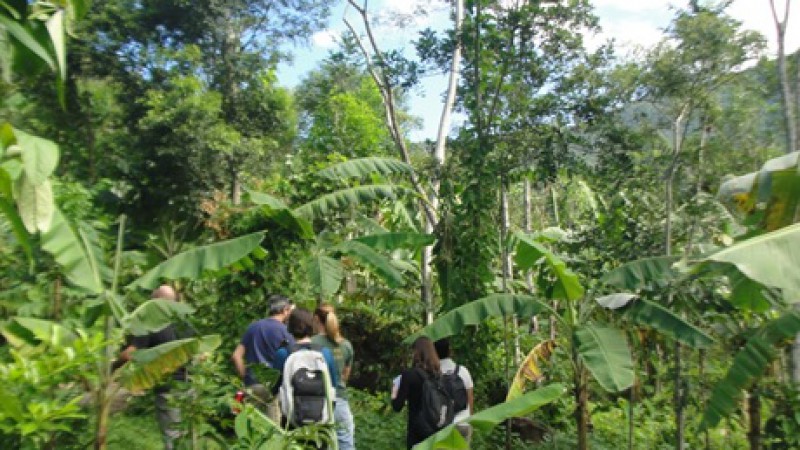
319,339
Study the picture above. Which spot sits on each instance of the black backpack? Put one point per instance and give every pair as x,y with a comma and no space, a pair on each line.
309,400
437,406
456,389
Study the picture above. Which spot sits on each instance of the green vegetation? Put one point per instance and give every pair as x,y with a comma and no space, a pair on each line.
632,225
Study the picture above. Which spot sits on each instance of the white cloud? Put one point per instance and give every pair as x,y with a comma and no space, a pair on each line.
325,39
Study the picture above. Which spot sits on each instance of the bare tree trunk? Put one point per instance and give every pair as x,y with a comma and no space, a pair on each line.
439,155
783,74
677,144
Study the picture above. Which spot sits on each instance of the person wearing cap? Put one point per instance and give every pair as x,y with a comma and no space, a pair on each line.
258,346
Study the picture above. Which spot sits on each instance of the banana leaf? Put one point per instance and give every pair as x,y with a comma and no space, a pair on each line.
151,366
749,364
607,356
365,167
484,421
475,312
197,261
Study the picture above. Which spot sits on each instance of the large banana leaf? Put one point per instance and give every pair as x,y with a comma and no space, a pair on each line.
655,316
260,198
364,167
324,273
344,198
193,263
69,250
155,314
484,421
35,204
393,241
607,356
530,252
530,370
776,185
748,365
39,156
475,312
150,366
646,273
21,331
772,259
377,263
17,227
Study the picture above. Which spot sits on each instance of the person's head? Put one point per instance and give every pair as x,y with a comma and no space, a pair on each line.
327,322
279,307
425,355
300,323
166,292
442,348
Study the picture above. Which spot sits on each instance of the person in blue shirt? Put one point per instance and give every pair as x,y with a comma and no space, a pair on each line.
258,345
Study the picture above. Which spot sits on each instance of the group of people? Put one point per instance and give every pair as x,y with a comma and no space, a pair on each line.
283,341
271,341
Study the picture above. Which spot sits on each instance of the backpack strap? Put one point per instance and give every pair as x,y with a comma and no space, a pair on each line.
455,372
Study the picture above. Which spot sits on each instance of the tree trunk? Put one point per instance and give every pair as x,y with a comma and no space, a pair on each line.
754,416
677,144
783,75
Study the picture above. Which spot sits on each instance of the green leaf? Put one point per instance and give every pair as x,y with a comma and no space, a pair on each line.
615,301
55,28
364,167
287,219
39,156
657,317
646,273
484,421
18,228
28,41
771,259
260,198
324,273
35,204
151,366
393,241
21,331
530,252
345,198
69,251
155,314
607,356
193,263
749,364
373,260
746,293
475,312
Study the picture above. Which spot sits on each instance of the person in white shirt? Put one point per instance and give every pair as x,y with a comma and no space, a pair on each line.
449,366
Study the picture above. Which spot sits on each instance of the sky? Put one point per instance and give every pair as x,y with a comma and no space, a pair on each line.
396,23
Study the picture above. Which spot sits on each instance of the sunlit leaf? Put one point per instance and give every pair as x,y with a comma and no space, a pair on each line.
530,371
155,314
364,167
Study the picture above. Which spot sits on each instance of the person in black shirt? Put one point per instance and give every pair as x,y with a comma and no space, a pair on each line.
425,364
167,416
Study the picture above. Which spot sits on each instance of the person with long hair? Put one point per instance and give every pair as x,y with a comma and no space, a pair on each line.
329,336
424,364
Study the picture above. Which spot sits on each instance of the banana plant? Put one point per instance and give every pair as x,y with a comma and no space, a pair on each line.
598,351
325,266
83,265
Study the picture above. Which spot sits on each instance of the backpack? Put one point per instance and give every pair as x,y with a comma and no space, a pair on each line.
437,407
306,393
456,389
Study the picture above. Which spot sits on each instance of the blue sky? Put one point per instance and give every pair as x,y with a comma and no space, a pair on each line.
631,23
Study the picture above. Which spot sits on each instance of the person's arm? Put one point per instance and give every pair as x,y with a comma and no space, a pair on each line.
238,360
469,401
127,354
348,362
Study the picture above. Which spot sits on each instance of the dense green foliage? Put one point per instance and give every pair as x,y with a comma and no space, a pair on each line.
629,215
